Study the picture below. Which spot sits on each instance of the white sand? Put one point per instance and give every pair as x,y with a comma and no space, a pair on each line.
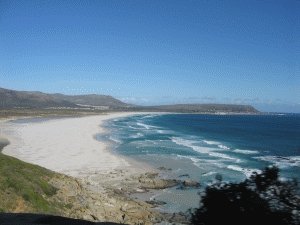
63,145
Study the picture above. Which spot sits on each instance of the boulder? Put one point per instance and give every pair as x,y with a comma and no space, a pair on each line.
158,183
188,183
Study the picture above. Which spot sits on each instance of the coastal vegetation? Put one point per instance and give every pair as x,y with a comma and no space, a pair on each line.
262,199
25,187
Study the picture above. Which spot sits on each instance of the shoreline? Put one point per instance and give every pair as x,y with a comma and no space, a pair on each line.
106,180
64,145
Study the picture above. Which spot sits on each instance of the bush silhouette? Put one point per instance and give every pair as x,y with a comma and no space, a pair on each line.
261,199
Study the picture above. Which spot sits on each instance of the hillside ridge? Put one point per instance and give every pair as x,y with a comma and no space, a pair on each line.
11,99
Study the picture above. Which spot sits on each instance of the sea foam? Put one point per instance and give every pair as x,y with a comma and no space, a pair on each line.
281,161
248,172
219,144
148,127
223,147
137,135
246,152
211,142
202,149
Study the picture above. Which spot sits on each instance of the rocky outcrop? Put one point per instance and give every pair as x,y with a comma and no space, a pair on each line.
158,183
190,183
177,218
101,197
151,181
85,202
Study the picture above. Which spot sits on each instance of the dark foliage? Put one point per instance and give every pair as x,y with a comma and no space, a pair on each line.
40,219
261,199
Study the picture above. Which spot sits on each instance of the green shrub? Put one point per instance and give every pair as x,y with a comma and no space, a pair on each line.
262,199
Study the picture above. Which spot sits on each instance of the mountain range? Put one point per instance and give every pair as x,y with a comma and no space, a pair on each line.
11,99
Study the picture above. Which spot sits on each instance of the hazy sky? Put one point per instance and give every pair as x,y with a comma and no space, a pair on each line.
154,52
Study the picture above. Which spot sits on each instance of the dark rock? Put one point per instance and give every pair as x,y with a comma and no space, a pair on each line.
177,218
151,175
156,202
184,175
164,168
190,183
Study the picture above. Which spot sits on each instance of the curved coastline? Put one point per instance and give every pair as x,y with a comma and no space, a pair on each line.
65,145
105,179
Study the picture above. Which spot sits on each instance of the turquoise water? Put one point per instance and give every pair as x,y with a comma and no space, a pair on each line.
205,145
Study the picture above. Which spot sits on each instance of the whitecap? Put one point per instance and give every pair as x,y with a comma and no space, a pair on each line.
135,128
183,142
223,147
211,142
193,159
223,156
209,173
150,116
148,127
281,161
163,131
201,149
246,152
248,172
137,135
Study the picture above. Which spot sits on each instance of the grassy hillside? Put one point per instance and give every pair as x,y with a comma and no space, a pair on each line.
11,99
25,188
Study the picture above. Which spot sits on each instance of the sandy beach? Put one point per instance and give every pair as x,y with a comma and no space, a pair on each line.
64,145
99,183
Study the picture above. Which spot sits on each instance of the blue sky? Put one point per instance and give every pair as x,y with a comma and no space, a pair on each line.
155,52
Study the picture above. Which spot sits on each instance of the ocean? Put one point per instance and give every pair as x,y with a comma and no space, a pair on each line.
199,147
